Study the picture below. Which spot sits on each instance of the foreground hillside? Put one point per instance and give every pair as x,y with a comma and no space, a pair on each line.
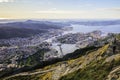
101,63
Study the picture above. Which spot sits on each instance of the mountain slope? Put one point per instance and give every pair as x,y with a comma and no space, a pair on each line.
98,64
101,65
26,29
9,32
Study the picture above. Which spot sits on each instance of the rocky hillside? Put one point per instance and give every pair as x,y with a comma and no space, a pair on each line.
102,63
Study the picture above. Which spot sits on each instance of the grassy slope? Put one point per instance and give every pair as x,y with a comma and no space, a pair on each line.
97,69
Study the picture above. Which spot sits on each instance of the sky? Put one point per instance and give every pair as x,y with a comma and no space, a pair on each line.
60,9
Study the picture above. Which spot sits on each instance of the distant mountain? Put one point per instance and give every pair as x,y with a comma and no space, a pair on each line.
96,23
31,25
12,32
26,29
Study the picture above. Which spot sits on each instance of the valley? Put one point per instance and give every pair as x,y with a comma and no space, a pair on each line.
57,50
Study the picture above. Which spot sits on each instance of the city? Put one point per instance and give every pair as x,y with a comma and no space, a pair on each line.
59,39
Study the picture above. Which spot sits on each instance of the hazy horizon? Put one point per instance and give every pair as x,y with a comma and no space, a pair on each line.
59,9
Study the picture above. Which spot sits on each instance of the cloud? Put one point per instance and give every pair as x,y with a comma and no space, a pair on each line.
2,1
53,9
3,18
55,12
94,13
115,9
109,9
58,12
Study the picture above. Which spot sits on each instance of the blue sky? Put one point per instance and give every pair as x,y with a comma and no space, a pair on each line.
60,9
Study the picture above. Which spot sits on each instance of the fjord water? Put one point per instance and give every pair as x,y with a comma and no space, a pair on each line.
104,29
68,48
